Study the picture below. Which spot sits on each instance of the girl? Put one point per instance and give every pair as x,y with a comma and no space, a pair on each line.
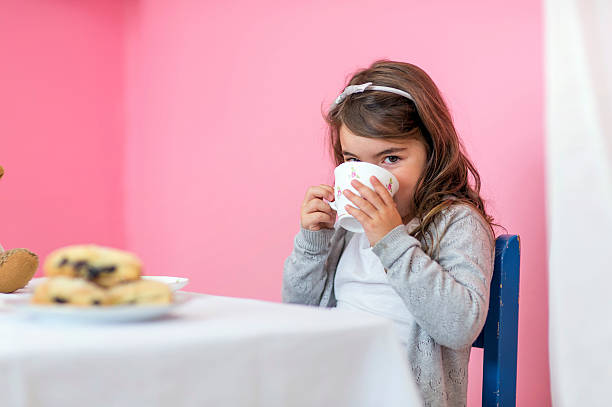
426,258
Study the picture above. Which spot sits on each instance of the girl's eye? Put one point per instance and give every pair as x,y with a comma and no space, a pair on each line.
392,159
350,158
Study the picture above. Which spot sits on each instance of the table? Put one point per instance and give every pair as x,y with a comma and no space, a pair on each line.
211,351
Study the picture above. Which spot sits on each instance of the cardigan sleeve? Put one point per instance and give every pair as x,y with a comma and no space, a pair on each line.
304,276
448,296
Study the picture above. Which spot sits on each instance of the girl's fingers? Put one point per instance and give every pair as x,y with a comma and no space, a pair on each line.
383,192
361,203
357,214
319,192
368,201
315,213
328,188
317,205
367,193
320,217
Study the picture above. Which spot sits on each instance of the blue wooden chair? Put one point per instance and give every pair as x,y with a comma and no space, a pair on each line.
499,336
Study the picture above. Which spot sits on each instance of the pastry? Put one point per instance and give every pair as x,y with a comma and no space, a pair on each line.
140,292
69,291
17,267
104,266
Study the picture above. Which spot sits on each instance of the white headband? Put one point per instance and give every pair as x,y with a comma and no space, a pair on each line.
349,90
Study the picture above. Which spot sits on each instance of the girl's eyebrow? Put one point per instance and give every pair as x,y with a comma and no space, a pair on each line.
384,152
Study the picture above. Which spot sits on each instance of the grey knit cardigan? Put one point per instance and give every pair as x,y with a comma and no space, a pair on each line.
447,294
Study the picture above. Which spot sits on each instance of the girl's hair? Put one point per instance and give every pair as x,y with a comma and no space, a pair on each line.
379,114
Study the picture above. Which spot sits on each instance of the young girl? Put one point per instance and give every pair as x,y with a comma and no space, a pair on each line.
426,258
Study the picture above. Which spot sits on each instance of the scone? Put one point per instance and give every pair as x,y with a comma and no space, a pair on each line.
104,266
140,292
70,291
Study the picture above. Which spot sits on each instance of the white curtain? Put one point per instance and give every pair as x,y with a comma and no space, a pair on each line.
579,171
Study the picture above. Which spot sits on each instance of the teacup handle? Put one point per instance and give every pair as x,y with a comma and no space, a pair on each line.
333,204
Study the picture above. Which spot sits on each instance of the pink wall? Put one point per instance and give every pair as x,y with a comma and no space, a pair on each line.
61,123
189,131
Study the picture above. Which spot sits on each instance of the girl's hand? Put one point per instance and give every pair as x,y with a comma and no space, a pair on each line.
315,213
377,212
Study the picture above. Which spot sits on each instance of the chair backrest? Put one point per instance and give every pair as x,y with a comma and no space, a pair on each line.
499,336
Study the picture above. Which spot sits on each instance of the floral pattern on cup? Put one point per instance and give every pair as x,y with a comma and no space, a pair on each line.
354,173
339,192
390,185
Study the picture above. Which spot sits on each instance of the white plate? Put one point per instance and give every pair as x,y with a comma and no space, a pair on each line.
120,313
175,283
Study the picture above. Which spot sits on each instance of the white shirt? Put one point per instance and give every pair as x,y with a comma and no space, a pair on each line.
361,284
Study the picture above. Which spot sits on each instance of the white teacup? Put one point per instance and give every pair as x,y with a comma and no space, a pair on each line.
362,171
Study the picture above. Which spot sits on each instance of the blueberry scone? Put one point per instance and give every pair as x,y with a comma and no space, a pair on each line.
104,266
69,291
140,292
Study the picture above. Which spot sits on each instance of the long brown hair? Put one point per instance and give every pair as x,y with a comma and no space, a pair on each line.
379,114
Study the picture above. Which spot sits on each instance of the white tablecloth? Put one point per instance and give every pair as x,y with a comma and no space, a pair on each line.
211,351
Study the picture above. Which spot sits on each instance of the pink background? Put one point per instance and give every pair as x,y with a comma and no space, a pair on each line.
62,125
189,131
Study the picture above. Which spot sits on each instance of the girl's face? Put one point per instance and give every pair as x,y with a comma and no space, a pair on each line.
405,159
